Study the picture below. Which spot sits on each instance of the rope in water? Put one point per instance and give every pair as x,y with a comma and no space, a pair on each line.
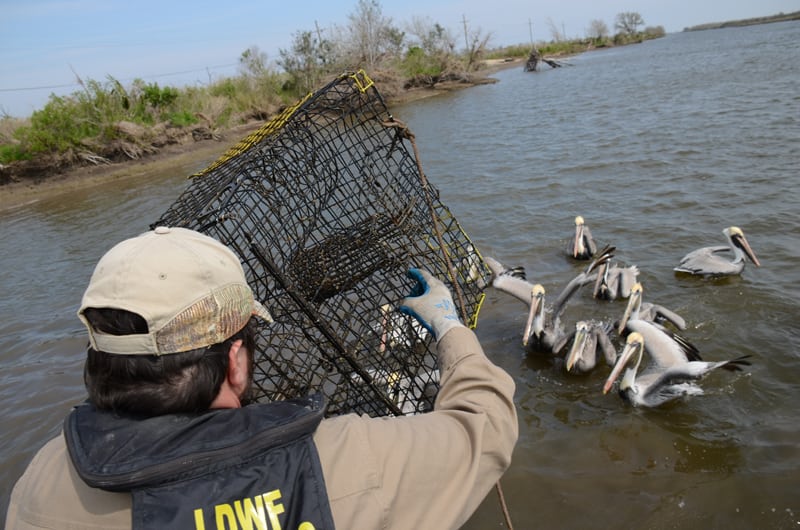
403,132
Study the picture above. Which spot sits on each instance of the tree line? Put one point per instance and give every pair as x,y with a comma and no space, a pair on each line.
105,120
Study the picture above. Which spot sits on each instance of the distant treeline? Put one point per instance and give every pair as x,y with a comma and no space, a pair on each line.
780,17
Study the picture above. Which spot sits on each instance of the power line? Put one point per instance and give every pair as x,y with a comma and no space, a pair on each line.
50,87
24,89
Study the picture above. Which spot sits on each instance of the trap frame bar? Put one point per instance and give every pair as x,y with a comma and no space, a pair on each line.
324,207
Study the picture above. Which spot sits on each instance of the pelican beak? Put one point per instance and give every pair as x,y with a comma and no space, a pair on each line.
624,357
536,303
741,242
628,310
578,243
631,347
578,345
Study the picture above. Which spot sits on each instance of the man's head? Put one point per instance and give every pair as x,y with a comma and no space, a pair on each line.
167,314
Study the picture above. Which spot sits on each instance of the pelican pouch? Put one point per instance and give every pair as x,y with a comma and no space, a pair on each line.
253,467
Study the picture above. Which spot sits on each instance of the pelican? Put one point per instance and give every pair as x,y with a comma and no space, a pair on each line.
716,260
589,338
671,375
509,280
412,395
583,245
513,281
471,267
396,329
614,281
639,310
551,338
541,335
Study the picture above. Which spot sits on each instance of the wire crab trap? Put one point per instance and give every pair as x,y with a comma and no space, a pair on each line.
327,209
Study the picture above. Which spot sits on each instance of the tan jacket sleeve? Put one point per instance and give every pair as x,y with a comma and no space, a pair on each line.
430,470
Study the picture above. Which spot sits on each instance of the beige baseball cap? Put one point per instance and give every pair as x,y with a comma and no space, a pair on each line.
190,289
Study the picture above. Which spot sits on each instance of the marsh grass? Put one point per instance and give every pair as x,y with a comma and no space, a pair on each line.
94,122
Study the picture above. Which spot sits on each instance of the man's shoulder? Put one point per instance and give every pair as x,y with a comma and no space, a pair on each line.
51,495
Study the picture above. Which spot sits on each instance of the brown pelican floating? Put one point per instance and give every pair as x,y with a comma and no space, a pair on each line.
539,335
583,245
639,310
716,260
671,375
513,281
614,281
590,338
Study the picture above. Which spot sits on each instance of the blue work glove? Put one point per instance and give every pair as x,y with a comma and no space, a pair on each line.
431,303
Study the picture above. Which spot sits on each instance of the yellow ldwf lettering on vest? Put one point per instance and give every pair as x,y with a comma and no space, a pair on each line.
259,513
272,508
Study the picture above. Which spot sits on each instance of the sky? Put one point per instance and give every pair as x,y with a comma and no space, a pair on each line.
47,45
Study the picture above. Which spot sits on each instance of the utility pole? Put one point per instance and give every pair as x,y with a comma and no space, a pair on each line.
319,32
323,57
466,39
530,31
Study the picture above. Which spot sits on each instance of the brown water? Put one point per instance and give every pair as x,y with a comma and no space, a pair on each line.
659,146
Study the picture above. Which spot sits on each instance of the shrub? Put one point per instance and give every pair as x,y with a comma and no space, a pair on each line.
182,119
416,62
12,153
59,126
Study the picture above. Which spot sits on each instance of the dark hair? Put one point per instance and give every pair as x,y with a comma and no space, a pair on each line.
152,385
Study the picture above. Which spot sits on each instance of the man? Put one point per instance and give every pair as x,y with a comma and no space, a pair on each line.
166,441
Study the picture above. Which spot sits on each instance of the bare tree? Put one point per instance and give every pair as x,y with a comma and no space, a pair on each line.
597,30
628,22
555,33
307,60
433,38
253,62
372,34
475,44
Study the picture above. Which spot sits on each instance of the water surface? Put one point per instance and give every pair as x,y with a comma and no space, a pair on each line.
659,146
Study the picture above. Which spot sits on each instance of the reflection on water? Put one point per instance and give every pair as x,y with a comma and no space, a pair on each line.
659,146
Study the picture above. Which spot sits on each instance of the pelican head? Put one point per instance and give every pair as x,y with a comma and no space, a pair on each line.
633,307
535,320
634,345
738,241
579,344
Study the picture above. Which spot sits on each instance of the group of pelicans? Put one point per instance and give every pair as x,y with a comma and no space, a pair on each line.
674,365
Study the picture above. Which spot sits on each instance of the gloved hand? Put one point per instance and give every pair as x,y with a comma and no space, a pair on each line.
431,303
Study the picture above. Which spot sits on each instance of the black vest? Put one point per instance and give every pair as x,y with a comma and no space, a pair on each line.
254,467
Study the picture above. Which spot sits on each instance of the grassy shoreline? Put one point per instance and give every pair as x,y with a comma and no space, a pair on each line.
26,191
782,17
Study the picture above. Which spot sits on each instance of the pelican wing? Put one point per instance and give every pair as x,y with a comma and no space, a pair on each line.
661,389
627,278
660,314
710,260
585,277
678,380
665,348
511,281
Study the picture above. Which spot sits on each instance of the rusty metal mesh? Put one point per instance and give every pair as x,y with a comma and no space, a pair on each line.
326,208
